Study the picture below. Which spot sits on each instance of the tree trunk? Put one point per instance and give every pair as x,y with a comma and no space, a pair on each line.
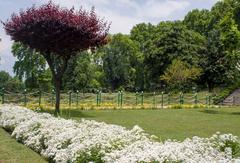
57,84
210,86
57,67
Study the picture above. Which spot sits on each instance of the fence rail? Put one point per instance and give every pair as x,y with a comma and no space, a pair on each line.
105,100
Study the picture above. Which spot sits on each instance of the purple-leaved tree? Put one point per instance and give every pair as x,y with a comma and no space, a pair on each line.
58,34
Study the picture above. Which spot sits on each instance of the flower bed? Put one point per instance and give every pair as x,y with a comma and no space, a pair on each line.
62,140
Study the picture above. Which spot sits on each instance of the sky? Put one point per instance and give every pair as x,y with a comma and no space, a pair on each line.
123,15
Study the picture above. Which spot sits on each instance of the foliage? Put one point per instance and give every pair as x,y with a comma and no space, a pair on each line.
94,155
45,80
14,85
220,28
207,39
140,34
58,34
29,62
180,74
228,142
10,83
171,40
31,66
4,78
218,98
83,73
120,61
198,20
50,28
218,67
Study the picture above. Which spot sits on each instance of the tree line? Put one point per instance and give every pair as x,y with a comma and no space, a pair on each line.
201,51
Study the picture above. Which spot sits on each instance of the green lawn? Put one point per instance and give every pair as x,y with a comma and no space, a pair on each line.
164,123
14,152
170,123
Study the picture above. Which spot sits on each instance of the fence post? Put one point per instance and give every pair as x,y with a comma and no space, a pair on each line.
25,97
52,97
136,98
121,98
169,99
100,97
142,98
97,97
77,97
162,100
180,98
3,96
206,101
209,100
195,99
70,98
154,99
40,98
118,98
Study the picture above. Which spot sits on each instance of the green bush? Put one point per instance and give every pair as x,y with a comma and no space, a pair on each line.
225,92
94,155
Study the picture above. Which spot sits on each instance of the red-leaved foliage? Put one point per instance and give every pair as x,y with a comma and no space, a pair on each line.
52,29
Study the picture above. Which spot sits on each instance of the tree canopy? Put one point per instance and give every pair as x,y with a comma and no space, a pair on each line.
58,34
207,39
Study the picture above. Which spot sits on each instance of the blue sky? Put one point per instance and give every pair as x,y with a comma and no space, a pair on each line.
123,14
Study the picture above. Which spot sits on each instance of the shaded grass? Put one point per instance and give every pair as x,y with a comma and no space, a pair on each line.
168,123
13,152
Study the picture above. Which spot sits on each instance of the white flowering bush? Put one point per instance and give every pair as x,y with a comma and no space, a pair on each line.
67,141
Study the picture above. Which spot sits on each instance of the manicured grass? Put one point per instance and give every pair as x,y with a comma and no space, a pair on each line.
170,123
13,152
164,123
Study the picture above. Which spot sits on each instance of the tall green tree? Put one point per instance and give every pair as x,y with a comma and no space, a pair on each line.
141,34
199,21
218,68
221,32
83,73
119,62
30,65
171,40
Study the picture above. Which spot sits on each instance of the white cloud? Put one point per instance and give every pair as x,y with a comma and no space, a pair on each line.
158,9
124,14
5,41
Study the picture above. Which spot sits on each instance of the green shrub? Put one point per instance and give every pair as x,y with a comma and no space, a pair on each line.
176,107
94,155
224,93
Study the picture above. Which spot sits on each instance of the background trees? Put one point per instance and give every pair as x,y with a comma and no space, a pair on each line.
120,61
180,75
30,66
10,83
219,27
205,39
170,40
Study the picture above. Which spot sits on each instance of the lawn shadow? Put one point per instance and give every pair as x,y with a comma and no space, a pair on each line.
219,112
66,113
76,113
210,111
235,113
